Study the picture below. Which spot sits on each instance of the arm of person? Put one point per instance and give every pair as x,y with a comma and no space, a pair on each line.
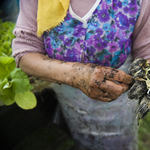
141,34
95,81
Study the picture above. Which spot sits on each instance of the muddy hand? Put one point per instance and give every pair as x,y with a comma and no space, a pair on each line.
102,83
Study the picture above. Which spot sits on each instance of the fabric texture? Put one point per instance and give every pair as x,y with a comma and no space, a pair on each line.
103,38
50,14
141,34
26,40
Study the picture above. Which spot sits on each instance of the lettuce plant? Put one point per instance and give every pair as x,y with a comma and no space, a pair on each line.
14,83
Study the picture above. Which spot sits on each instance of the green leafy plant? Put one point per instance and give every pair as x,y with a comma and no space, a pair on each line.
14,83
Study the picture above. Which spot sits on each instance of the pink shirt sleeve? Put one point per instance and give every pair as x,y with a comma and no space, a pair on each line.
141,34
26,40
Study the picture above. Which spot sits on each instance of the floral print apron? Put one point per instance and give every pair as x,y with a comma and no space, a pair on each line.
103,36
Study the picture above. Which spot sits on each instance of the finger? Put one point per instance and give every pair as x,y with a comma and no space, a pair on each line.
114,88
110,86
117,75
95,93
104,99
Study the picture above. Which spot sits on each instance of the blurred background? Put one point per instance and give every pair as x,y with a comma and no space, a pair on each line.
9,10
42,128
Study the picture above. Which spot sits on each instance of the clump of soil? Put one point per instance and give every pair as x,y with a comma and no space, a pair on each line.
140,90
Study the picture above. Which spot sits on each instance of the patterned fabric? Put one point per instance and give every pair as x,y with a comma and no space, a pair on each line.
105,39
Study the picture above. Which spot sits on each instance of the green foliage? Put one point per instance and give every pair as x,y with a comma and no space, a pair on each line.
144,133
7,64
14,83
6,37
27,101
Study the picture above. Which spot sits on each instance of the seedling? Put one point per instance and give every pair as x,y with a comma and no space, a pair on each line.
140,90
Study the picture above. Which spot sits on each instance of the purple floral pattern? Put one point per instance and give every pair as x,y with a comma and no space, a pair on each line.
105,41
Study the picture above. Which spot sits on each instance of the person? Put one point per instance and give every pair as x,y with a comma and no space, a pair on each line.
89,54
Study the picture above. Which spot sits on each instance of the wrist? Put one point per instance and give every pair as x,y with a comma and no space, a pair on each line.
80,74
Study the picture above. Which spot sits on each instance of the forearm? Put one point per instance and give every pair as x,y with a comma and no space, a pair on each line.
51,70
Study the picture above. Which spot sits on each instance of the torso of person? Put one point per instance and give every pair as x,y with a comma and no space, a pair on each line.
94,31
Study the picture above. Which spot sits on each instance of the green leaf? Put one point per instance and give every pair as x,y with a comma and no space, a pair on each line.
7,85
26,100
2,54
6,100
20,81
6,48
6,37
9,93
7,64
6,89
2,83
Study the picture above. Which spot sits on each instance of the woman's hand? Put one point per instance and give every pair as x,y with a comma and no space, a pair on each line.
100,83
